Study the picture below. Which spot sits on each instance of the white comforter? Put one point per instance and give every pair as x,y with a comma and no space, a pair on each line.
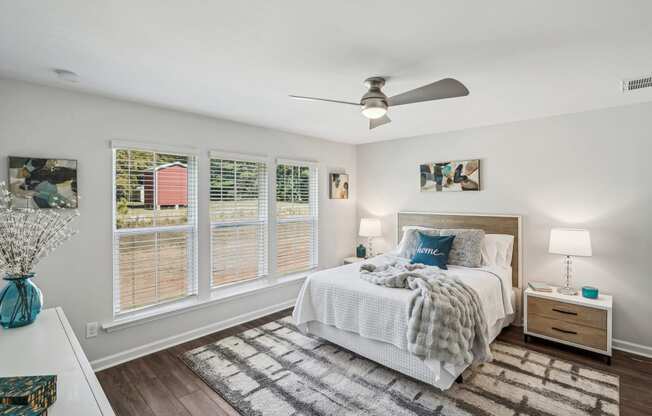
338,297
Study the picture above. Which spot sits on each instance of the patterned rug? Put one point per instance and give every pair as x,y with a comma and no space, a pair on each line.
275,370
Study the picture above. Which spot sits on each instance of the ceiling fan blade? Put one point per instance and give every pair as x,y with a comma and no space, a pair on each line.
300,97
377,122
444,88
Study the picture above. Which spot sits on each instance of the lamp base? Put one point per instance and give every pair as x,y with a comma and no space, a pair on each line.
567,290
370,248
567,272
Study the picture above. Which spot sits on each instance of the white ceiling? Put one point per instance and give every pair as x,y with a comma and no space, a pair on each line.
239,60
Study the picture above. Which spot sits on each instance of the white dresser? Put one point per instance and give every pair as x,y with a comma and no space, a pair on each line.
49,346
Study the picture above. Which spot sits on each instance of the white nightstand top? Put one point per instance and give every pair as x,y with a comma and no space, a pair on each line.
602,302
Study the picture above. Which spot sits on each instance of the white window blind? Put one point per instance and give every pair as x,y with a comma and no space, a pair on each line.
296,216
155,228
239,218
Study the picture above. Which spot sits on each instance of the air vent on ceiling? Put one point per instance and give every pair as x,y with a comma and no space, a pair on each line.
637,83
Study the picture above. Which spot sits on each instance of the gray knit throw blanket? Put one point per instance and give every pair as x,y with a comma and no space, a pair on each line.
446,320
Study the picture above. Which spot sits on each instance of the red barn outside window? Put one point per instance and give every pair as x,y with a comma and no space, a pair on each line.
171,186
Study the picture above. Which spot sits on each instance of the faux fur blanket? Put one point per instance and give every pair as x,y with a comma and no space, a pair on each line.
446,320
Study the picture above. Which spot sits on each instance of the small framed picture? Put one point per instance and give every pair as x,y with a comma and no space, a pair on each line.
339,186
43,183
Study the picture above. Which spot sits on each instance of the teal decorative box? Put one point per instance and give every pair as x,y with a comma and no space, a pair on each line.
35,392
590,292
11,410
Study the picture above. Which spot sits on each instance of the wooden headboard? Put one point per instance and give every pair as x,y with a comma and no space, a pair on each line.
491,224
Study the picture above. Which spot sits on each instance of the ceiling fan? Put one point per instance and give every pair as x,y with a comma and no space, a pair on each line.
375,104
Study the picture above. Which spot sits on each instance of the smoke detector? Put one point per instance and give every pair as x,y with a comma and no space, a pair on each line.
65,75
637,83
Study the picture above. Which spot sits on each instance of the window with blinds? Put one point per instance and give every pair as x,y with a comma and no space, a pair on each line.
155,228
296,216
239,218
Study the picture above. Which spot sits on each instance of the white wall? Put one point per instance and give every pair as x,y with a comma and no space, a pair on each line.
50,122
589,170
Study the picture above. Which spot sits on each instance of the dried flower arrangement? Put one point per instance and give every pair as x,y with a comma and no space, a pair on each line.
28,235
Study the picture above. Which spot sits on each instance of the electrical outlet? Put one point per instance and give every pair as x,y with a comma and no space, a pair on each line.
91,329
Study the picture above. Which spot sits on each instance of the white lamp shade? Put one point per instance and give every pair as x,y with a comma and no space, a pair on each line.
370,227
570,242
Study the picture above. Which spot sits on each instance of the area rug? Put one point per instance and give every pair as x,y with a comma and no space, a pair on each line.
275,370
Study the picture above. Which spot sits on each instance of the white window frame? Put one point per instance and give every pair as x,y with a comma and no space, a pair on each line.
205,295
262,220
191,228
312,218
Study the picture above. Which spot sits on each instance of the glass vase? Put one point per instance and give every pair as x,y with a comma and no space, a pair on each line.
20,301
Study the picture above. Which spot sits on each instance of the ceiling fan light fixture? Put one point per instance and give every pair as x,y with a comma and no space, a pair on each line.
374,108
374,103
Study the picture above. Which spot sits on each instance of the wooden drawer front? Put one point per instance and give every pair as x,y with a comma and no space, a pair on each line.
575,314
579,334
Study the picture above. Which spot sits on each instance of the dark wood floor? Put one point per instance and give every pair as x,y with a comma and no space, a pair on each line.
160,384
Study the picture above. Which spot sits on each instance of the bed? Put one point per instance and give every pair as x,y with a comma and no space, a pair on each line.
370,320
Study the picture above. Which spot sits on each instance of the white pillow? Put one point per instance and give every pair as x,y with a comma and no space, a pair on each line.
408,245
497,250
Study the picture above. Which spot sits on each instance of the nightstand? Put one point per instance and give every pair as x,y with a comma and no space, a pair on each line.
351,260
571,320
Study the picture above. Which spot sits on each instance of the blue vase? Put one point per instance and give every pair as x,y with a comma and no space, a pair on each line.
361,251
20,301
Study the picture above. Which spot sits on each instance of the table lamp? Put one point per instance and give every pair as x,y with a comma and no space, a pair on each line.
370,228
569,242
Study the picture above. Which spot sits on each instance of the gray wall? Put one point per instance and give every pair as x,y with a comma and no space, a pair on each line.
589,170
50,122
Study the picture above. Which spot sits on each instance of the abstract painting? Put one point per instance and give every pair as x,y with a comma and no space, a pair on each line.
43,183
339,186
452,176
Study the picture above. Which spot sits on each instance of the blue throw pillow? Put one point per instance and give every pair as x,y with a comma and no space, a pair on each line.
432,250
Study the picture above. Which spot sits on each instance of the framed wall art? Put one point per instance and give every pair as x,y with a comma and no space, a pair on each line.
339,186
451,176
43,183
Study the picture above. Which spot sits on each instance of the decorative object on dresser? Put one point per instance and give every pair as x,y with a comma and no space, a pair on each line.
569,242
50,346
351,260
35,392
13,410
43,183
370,228
456,175
27,236
339,186
20,301
571,320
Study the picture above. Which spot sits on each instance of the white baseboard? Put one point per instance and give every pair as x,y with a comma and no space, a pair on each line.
637,349
133,353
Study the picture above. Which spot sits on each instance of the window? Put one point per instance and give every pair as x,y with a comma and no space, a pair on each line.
154,227
296,216
238,212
